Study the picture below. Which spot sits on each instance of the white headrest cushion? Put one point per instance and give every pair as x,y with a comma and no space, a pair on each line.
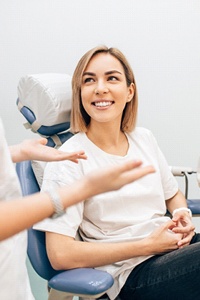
48,96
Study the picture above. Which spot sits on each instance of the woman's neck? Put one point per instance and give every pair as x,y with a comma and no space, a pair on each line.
108,139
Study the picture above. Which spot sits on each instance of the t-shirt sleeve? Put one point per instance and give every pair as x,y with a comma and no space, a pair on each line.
59,174
169,183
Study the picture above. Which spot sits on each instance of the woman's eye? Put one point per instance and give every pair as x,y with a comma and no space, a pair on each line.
112,78
89,79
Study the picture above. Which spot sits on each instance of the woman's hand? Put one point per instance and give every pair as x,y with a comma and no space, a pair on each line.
37,150
183,226
163,239
181,218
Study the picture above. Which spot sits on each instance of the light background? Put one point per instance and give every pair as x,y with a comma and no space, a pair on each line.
161,39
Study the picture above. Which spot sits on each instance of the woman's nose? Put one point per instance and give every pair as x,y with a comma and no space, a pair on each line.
101,88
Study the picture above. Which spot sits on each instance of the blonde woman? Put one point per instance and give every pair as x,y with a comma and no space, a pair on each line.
126,232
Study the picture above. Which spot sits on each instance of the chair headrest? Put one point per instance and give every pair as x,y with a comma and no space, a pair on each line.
45,102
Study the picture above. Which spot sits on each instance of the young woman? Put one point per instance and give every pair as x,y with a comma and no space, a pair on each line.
17,213
126,231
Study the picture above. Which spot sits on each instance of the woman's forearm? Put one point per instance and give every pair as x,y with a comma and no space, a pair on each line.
66,253
175,202
82,254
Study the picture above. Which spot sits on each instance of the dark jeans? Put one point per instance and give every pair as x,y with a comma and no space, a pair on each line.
171,276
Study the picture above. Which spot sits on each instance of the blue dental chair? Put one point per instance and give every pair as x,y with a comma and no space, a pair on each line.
87,283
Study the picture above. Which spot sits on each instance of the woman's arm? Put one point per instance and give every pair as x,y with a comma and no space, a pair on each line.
178,200
18,214
37,150
83,254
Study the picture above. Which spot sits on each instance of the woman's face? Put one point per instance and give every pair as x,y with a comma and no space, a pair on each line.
104,90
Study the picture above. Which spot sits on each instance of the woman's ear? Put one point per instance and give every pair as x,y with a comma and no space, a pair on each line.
131,92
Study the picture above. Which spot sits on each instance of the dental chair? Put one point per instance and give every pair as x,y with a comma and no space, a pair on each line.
45,101
84,282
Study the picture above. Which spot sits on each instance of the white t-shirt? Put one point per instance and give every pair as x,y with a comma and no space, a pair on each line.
129,214
14,281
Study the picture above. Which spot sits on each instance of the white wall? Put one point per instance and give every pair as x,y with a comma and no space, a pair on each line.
161,39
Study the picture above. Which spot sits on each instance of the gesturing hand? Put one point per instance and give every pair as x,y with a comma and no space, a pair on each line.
113,178
37,150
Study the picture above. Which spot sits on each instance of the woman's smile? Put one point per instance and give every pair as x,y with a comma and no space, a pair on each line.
102,103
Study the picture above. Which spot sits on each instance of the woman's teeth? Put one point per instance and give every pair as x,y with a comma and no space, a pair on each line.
103,103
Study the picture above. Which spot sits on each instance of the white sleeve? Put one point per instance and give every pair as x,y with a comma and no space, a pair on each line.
169,183
62,174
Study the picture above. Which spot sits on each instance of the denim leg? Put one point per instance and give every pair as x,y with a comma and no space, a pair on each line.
171,276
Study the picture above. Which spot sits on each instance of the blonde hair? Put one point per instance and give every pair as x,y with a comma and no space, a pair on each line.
79,117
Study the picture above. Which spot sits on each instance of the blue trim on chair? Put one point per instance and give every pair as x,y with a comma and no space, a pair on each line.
194,205
38,256
43,130
62,136
29,185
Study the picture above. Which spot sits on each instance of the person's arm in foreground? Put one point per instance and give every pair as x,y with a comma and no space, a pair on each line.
22,213
37,150
181,218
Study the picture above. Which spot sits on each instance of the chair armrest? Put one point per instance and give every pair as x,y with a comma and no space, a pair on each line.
83,281
180,170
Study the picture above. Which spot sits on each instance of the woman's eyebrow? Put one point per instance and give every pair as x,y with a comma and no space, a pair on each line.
106,73
88,74
112,71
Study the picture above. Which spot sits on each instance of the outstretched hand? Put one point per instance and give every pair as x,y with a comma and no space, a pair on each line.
115,177
37,150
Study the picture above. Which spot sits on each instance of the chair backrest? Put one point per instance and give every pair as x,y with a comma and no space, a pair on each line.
36,239
45,102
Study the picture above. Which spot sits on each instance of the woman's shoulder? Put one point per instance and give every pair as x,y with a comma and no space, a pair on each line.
74,142
141,133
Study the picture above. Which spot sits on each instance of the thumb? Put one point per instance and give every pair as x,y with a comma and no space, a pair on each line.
175,219
170,224
43,141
